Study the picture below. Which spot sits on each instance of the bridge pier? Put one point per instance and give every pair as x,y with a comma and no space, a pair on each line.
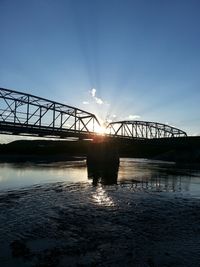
103,163
103,153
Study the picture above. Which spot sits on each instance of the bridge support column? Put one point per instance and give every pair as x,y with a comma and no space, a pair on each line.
103,153
103,163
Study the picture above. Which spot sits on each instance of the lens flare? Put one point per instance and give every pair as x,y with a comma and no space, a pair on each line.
100,129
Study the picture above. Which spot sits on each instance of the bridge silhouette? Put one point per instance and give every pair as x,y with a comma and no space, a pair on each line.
26,114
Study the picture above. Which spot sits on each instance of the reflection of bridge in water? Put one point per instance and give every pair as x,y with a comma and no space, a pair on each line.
155,181
157,184
25,114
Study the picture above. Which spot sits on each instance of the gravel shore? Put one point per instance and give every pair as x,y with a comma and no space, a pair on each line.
83,225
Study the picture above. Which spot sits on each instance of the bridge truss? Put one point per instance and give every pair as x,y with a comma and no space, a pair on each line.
26,114
143,130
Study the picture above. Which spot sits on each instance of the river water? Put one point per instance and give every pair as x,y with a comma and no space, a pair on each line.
142,174
140,213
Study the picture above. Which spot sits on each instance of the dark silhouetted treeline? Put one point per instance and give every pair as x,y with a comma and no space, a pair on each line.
183,149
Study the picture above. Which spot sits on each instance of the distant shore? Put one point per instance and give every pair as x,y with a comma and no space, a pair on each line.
14,158
180,150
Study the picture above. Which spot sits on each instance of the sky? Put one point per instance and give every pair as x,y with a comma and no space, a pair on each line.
119,59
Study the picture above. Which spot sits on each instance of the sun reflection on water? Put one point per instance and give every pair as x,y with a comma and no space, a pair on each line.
101,197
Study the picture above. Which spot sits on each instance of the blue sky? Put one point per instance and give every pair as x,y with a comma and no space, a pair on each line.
121,59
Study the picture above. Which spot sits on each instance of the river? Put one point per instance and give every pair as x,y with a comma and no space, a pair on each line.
142,174
140,213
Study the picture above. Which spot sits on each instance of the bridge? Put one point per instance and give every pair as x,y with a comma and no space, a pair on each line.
26,114
143,130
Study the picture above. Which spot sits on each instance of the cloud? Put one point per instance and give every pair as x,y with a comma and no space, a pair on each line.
85,103
98,100
93,92
134,117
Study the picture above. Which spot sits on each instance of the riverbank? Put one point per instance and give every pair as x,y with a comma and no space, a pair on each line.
35,158
181,150
81,225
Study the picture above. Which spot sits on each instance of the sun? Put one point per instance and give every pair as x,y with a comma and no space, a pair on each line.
100,129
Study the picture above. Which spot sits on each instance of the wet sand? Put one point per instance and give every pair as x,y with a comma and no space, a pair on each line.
83,225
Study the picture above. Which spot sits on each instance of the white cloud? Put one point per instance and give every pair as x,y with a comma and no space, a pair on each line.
93,92
133,117
98,100
85,103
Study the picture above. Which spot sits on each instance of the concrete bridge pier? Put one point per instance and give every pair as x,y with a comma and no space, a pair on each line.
103,163
103,153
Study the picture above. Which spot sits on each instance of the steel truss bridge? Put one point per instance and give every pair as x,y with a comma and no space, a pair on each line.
143,130
25,114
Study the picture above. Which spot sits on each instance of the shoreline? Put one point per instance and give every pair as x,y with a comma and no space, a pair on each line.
61,157
19,158
179,150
